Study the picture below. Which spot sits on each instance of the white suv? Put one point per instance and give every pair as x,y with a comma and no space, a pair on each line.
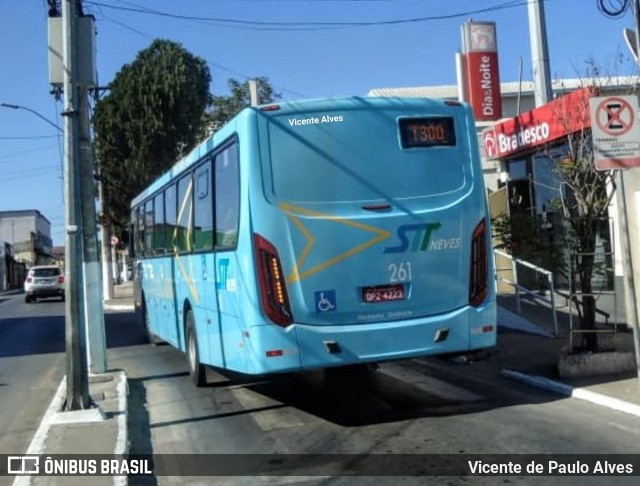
44,281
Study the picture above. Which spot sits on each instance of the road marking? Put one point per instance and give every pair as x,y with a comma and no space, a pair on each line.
579,393
428,383
37,443
267,480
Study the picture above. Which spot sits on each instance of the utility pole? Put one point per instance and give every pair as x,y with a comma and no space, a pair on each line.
105,247
253,92
629,281
75,332
94,311
539,53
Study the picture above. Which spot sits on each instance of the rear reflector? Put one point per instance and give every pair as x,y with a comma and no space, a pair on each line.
483,330
274,353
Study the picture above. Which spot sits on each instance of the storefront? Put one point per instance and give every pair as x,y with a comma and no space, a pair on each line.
531,149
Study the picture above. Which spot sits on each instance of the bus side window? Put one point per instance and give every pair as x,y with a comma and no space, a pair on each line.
159,245
227,194
148,227
139,232
185,209
203,209
170,218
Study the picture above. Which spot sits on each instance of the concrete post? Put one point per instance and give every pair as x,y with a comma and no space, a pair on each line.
77,378
94,311
539,53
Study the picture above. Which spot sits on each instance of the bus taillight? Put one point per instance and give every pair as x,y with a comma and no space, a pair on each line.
478,284
273,288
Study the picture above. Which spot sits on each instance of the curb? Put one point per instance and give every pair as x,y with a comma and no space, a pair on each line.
122,440
53,416
119,307
569,391
12,292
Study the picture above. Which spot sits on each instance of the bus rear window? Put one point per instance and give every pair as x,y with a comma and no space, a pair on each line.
358,155
427,132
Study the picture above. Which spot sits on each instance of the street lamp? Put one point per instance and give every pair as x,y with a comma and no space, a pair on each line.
20,107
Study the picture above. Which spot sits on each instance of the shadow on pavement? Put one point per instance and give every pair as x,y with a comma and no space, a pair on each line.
139,427
26,336
124,329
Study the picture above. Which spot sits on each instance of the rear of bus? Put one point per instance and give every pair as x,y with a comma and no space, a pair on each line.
371,234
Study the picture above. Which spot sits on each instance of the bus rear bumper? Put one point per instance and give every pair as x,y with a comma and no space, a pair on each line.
309,347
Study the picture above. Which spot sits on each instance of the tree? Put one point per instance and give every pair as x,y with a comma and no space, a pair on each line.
585,208
154,113
224,108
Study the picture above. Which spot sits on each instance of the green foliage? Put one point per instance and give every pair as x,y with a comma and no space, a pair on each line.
224,108
585,208
153,114
528,239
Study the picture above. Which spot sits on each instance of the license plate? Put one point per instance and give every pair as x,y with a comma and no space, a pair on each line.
383,293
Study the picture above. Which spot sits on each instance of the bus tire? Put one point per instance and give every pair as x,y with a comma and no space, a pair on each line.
197,371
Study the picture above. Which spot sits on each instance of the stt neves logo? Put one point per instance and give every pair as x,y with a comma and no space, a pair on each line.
23,465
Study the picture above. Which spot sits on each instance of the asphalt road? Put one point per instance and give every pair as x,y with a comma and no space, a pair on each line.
415,408
31,366
33,362
410,409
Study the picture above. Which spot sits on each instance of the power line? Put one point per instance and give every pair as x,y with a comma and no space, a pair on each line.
30,174
299,25
22,152
31,137
210,63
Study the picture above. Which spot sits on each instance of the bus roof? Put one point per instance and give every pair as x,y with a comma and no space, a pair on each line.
285,107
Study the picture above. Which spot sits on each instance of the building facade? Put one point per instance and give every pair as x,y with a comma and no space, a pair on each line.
12,273
29,233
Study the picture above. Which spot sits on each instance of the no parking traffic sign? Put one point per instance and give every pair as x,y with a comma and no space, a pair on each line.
615,131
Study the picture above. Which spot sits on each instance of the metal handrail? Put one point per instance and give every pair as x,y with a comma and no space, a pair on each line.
514,283
574,298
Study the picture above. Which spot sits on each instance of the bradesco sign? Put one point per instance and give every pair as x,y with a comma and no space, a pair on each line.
562,116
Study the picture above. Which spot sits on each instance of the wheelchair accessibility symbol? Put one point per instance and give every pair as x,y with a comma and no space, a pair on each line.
325,300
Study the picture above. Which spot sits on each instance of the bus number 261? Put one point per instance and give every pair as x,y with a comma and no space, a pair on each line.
399,272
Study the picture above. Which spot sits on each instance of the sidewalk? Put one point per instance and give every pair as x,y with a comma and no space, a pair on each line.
122,298
529,352
101,430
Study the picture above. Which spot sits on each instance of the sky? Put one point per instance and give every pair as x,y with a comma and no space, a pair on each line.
306,48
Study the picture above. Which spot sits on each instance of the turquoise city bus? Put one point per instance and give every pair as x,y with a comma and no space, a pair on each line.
322,233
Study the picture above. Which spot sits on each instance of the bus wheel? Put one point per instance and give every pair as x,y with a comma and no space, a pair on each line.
197,371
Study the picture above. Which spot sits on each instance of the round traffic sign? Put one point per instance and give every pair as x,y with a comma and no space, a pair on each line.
615,116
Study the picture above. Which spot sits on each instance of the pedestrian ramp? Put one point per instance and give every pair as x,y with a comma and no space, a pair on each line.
510,320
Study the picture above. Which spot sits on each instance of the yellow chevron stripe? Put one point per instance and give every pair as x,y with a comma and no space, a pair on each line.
292,211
